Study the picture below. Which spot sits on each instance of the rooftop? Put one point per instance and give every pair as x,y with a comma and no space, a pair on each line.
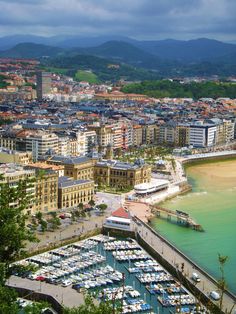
64,182
70,159
121,213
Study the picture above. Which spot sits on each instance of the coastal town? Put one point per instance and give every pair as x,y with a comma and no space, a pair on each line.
100,163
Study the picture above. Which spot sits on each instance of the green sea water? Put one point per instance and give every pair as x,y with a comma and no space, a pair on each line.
212,203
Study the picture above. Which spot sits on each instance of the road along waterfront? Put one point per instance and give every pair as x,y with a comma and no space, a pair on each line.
212,203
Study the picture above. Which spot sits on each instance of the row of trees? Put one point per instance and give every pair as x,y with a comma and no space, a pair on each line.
3,84
53,222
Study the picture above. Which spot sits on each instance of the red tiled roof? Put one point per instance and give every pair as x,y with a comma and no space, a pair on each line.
121,213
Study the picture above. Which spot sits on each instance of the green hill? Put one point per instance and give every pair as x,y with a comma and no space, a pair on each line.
31,50
101,68
86,76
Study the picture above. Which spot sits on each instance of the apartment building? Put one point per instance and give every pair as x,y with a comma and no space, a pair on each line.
228,130
63,146
202,135
42,144
7,141
13,156
104,135
137,135
127,133
86,140
150,134
46,190
182,135
167,134
117,136
13,174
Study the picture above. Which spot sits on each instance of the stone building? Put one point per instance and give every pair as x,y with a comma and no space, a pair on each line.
78,168
120,174
73,192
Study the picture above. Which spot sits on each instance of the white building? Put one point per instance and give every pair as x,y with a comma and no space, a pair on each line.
120,220
86,140
151,187
202,135
41,144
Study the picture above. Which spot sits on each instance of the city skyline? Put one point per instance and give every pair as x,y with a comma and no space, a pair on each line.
137,19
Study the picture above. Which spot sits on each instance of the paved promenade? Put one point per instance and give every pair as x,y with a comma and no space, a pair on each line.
64,295
176,258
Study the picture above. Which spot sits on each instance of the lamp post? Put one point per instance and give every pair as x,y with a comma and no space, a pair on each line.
60,235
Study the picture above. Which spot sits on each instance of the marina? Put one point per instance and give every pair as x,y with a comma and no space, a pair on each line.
100,265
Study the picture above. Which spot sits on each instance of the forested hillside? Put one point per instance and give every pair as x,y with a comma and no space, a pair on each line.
166,88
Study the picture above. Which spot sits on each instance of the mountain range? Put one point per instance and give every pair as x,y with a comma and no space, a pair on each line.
190,50
164,56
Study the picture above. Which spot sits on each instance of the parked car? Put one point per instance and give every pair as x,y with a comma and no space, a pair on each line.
215,295
196,277
66,283
68,215
40,278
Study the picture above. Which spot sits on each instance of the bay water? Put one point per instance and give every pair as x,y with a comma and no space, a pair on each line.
212,203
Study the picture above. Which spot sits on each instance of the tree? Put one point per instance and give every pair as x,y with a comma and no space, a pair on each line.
222,282
102,208
81,206
13,234
54,222
39,216
91,203
35,308
53,214
88,214
89,307
8,301
77,213
13,231
44,225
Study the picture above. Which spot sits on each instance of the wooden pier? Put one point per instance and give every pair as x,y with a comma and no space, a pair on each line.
180,217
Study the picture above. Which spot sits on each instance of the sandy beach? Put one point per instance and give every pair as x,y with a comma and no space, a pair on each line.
220,174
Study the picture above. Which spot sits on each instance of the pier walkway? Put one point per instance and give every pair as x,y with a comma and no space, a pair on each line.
180,217
176,258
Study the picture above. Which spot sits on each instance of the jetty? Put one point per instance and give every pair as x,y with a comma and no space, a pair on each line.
180,217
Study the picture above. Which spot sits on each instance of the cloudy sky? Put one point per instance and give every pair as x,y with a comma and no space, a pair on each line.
141,19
